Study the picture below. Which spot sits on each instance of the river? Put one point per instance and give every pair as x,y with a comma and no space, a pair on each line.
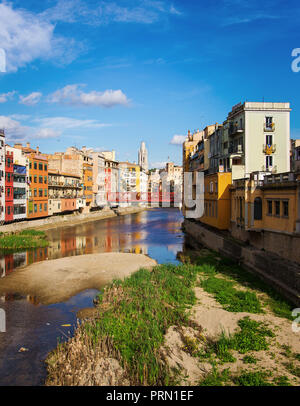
36,327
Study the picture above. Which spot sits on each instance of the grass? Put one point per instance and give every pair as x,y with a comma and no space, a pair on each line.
293,369
215,264
24,239
257,378
249,359
252,336
231,299
138,316
135,314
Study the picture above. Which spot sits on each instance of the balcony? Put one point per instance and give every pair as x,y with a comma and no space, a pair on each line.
235,149
269,149
269,127
235,129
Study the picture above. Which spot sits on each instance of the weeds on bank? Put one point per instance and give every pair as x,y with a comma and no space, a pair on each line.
24,239
137,312
232,299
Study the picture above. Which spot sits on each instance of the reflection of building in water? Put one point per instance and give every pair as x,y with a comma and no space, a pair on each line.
33,300
2,267
37,255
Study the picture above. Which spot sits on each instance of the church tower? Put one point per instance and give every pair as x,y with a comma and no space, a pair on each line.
143,157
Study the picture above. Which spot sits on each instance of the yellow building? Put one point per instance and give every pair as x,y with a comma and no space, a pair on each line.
217,200
266,203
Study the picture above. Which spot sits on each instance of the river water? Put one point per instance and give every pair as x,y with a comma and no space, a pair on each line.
37,327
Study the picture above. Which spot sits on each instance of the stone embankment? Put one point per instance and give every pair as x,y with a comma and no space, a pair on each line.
68,219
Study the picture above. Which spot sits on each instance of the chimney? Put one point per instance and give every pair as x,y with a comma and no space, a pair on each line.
28,144
37,150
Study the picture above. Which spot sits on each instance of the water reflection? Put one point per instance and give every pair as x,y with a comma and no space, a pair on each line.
142,233
36,326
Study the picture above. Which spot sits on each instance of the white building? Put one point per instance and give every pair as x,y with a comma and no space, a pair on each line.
256,137
20,183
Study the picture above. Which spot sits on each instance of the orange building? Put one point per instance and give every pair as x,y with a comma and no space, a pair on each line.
88,183
38,186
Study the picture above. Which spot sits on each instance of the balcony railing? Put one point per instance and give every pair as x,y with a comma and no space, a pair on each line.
235,129
235,149
269,127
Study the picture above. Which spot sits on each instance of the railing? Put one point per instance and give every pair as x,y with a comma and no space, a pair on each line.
269,127
235,129
238,149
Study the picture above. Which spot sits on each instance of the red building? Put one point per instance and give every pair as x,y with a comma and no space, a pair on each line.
9,190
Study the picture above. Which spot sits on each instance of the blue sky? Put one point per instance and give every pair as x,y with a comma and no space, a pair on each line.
109,74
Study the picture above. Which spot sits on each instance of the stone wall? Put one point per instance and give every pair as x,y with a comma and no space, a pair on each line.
283,274
284,244
68,219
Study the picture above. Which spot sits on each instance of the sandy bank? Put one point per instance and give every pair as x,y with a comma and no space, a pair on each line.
68,219
59,279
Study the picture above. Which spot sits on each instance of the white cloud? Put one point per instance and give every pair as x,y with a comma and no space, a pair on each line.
4,97
72,94
31,99
15,131
143,11
26,36
178,139
47,133
67,122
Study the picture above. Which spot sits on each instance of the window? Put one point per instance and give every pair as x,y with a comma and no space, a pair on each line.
35,165
277,208
45,179
269,139
45,167
45,193
41,207
40,192
40,167
35,179
211,187
45,206
30,165
269,122
270,204
216,187
269,162
35,193
8,210
285,206
257,208
30,179
40,179
35,208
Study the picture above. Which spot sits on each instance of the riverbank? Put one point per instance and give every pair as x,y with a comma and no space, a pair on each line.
205,322
57,280
68,219
23,240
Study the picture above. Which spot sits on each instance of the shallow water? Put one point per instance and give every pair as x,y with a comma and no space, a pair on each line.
37,327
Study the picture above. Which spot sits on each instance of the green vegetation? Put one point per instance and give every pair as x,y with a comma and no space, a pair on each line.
251,337
24,239
257,378
137,312
249,359
216,378
282,381
232,299
293,369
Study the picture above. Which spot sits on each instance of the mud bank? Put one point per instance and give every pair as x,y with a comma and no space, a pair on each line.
57,280
68,219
